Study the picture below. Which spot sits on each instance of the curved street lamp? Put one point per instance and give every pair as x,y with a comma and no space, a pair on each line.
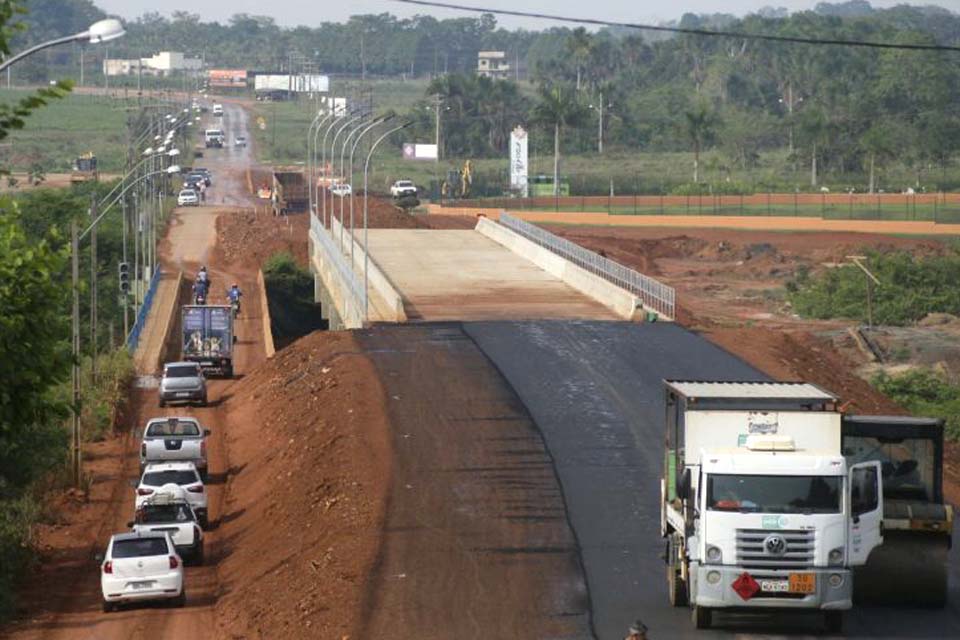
102,31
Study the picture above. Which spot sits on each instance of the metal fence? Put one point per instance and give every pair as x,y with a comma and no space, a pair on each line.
655,295
340,263
134,338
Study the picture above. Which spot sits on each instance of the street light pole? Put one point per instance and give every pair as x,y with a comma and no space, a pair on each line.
75,270
333,147
102,31
323,163
353,191
343,176
366,246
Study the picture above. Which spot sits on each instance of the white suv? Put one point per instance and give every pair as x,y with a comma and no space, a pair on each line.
188,198
141,566
184,475
402,188
168,511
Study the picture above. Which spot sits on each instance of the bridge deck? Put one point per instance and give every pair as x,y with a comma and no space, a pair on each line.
462,275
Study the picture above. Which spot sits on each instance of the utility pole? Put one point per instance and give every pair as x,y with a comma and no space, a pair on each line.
81,66
870,278
437,137
93,293
75,269
600,129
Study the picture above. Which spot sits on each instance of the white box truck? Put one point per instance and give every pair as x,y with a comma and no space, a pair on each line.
760,510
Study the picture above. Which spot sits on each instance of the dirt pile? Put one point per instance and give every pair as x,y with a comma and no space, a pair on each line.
381,214
310,454
251,237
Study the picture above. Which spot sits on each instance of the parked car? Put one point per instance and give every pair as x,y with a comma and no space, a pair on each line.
340,189
402,188
182,474
141,566
218,109
174,440
183,382
240,141
168,510
188,198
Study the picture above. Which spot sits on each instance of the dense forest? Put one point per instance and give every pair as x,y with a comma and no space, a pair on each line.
827,109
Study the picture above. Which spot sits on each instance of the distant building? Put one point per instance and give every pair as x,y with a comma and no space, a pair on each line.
493,64
161,64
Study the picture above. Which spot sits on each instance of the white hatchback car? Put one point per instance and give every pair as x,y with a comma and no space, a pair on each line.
188,198
141,566
182,474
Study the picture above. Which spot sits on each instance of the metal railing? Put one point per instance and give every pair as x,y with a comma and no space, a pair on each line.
134,338
340,264
654,295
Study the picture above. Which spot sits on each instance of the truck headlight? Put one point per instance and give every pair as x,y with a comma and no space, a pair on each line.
835,557
714,554
835,580
713,577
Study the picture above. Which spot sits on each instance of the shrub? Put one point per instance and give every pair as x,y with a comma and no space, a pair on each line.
924,392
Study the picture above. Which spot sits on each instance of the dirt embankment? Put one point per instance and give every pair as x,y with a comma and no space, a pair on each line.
309,494
252,236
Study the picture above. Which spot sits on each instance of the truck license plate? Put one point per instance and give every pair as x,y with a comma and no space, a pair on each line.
774,586
803,582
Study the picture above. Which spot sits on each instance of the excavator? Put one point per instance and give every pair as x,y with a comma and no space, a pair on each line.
85,169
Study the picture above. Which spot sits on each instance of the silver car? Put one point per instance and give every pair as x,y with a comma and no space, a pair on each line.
183,382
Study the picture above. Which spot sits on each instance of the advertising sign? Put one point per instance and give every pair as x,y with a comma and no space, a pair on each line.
337,105
518,161
233,78
300,83
413,151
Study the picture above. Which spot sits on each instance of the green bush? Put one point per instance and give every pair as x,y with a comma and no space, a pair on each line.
293,312
924,392
909,289
17,516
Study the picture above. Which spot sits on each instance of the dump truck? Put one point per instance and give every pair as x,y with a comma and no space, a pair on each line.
207,337
289,193
760,511
84,169
911,567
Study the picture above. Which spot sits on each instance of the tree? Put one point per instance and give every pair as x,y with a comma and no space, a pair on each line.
700,125
879,143
579,45
558,108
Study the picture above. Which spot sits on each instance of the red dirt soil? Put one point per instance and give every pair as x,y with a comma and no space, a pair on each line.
307,502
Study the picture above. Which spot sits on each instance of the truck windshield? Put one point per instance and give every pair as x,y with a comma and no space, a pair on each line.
774,494
907,464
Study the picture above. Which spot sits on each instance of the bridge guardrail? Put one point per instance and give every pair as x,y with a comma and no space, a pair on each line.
340,263
654,294
134,338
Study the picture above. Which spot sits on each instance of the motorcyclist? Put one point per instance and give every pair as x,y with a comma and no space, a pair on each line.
202,275
235,294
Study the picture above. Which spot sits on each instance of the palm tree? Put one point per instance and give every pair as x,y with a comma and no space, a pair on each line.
558,108
700,123
580,45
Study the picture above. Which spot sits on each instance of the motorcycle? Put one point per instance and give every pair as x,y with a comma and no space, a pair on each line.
200,298
235,306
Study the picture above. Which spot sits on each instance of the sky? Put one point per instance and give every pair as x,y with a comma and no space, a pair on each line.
299,12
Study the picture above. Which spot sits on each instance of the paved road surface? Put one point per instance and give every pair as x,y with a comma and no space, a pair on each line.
476,545
594,390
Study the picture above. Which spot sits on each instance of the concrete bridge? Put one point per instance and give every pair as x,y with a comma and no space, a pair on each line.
501,270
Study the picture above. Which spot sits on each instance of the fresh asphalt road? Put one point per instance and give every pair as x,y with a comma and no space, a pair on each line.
595,391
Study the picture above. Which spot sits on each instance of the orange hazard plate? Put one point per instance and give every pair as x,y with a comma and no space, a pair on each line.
803,582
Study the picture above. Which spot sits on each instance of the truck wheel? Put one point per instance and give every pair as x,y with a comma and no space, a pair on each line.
162,403
228,372
198,555
702,617
676,588
833,621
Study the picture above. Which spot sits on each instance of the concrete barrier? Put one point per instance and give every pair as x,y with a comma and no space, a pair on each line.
338,279
265,316
621,302
390,302
168,354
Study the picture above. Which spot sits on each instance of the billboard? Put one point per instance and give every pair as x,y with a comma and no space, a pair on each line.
336,105
233,78
413,151
300,83
518,160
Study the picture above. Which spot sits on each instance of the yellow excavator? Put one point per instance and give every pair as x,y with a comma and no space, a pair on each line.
84,169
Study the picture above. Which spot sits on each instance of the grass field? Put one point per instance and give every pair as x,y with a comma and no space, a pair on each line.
56,134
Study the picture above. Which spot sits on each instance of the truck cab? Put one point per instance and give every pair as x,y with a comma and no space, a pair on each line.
761,511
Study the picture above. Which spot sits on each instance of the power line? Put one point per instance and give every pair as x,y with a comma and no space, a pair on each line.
696,32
